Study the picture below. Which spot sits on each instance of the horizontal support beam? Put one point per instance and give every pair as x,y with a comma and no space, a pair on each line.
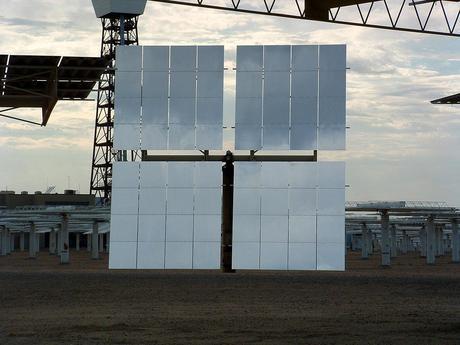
236,158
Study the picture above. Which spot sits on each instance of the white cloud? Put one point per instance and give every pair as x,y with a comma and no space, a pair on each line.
399,145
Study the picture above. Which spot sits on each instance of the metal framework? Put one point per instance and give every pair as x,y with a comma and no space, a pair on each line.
116,31
430,17
37,81
454,99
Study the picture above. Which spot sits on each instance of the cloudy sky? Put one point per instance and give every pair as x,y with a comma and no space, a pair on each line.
400,147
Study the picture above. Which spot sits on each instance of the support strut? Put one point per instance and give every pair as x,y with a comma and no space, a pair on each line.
228,174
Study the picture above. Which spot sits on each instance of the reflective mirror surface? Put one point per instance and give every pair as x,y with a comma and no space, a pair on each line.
179,88
170,211
126,137
211,58
183,58
151,255
128,111
152,228
154,111
154,136
273,256
155,84
302,88
128,59
156,58
284,211
125,175
305,58
277,58
123,255
249,58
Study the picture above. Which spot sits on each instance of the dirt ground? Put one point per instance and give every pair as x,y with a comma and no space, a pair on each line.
42,302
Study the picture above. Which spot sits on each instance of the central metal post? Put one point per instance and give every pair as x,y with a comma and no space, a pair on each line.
228,174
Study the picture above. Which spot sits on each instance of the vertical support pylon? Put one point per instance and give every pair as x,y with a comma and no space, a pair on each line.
94,241
65,248
228,174
394,246
3,235
77,241
32,241
430,241
364,242
116,30
422,234
455,242
52,242
385,247
21,241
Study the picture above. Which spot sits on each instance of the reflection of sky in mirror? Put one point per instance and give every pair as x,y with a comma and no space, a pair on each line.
286,207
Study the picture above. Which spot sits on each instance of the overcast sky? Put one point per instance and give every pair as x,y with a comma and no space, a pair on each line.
400,147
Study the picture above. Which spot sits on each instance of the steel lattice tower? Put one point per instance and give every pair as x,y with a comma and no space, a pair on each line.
116,30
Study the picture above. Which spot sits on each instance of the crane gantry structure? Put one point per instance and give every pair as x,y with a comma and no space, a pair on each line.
430,17
120,27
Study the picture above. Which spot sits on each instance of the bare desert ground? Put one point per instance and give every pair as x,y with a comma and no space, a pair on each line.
42,302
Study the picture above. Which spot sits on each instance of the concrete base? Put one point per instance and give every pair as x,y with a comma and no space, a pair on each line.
65,257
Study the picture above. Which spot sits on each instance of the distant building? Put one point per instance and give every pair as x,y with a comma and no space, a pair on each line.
10,200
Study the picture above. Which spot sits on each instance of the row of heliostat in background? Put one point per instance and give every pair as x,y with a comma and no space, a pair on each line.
287,98
287,216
